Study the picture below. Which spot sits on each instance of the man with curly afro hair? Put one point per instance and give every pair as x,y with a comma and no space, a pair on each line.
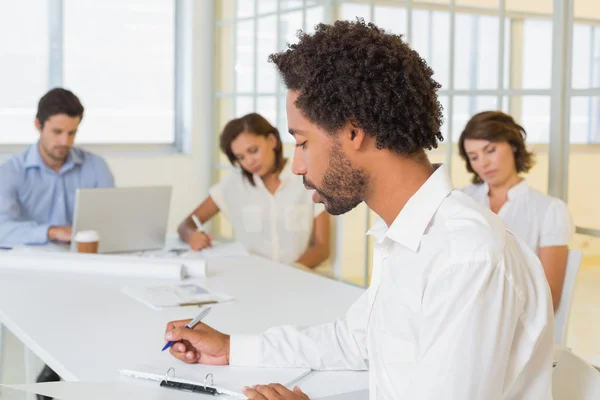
458,307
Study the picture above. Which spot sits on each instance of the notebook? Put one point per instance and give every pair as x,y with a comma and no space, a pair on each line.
226,380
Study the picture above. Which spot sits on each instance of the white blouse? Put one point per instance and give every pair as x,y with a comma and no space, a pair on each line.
276,226
538,219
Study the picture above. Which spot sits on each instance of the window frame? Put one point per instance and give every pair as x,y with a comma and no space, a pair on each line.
560,91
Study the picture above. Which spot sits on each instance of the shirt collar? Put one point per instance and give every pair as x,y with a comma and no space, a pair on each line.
34,159
518,190
412,221
285,175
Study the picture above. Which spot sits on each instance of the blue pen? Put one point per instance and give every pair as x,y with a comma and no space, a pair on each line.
5,248
191,325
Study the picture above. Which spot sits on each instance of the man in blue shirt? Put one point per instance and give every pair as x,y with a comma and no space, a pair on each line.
37,186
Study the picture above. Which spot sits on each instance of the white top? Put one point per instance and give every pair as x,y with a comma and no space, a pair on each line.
276,226
458,308
538,219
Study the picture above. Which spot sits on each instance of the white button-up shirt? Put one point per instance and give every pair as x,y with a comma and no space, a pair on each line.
538,219
458,308
276,226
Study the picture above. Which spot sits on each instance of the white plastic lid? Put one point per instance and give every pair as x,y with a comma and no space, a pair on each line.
87,236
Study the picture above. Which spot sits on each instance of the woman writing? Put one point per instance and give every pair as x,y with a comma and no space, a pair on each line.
271,212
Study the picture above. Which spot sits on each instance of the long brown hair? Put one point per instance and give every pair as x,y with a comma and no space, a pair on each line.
496,126
252,123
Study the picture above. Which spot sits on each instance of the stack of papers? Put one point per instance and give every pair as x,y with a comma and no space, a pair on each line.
160,297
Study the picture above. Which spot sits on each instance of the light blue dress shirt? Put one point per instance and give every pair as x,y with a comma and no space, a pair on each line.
34,197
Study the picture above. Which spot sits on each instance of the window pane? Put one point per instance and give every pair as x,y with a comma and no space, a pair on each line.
282,125
349,11
487,52
535,118
119,59
582,63
267,6
23,67
466,107
586,56
430,33
267,107
314,16
507,54
286,4
290,23
243,105
392,19
585,120
245,8
267,44
464,43
537,54
244,62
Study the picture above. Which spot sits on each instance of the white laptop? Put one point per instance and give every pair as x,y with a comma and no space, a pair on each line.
126,218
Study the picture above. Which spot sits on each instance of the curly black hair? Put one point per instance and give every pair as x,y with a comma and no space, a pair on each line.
353,71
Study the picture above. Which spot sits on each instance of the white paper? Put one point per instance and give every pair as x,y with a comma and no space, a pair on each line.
226,379
99,264
166,296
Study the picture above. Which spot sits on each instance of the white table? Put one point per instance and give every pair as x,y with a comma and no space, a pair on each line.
85,329
122,391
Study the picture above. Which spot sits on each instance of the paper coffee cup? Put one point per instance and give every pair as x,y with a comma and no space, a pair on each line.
87,241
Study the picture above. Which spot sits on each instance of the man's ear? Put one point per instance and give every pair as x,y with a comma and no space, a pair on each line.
355,134
38,125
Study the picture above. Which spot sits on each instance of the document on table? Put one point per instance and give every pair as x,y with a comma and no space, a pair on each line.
160,297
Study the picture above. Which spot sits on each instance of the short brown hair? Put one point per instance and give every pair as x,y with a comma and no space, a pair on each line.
496,126
252,123
59,101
